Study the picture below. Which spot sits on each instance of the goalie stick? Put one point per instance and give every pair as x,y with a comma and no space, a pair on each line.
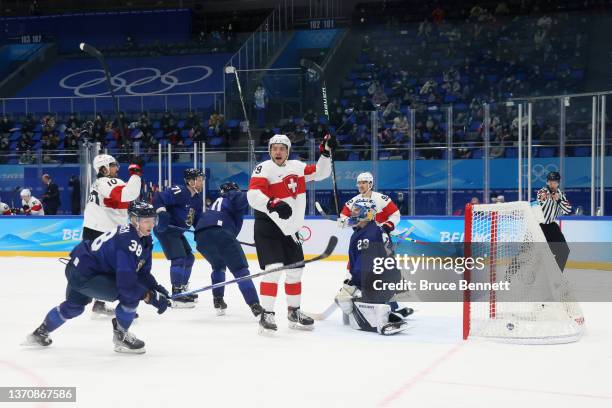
324,314
331,245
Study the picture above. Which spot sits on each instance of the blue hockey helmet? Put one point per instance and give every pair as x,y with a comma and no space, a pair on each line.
228,186
141,209
192,174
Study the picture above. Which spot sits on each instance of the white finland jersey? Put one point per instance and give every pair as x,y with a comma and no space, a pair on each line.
288,183
108,202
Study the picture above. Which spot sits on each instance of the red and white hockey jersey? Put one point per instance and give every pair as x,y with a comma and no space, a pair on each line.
35,205
108,202
288,183
386,210
5,209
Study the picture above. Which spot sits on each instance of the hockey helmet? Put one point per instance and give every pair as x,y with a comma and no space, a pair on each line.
103,160
367,177
25,193
141,209
553,176
279,139
229,186
192,174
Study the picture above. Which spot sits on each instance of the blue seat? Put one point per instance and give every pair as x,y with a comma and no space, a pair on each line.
233,123
216,141
511,152
546,152
582,151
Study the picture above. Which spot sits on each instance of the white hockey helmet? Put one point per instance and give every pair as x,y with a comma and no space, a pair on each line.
279,139
25,193
103,160
366,176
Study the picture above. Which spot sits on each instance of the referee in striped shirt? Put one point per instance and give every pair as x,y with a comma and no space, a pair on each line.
554,203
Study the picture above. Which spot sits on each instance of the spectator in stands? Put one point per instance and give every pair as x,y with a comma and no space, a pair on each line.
121,121
215,123
310,116
474,201
6,125
5,147
129,43
265,136
365,105
100,130
75,195
261,101
391,111
72,123
424,29
50,138
144,123
51,196
165,120
71,142
437,15
172,133
401,125
28,125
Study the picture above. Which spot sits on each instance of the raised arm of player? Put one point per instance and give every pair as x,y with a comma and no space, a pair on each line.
111,191
319,171
390,215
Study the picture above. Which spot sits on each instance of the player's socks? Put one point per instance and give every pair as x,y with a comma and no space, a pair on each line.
126,342
220,306
298,320
39,337
182,302
267,325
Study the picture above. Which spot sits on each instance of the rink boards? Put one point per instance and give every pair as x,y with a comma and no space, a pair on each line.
57,235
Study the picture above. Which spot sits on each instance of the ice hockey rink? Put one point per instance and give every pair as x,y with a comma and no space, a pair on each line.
194,355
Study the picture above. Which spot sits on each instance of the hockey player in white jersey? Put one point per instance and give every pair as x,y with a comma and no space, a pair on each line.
107,205
30,205
5,209
387,213
277,192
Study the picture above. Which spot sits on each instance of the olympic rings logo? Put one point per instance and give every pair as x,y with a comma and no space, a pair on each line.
540,171
119,81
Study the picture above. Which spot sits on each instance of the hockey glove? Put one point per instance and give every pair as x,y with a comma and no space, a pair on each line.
328,145
280,207
157,300
162,290
387,226
343,222
136,165
163,220
26,209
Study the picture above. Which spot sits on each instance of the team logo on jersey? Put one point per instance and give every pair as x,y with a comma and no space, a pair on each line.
189,220
291,183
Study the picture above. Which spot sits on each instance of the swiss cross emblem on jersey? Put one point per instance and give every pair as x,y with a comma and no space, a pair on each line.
291,182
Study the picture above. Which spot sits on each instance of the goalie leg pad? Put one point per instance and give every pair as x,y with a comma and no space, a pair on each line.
370,316
344,298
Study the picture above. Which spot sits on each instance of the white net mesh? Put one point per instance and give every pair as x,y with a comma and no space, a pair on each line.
539,307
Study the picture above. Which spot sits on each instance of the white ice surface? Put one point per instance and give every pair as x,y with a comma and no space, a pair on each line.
195,358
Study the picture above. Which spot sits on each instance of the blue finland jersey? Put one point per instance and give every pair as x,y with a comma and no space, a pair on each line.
184,209
120,252
366,244
227,212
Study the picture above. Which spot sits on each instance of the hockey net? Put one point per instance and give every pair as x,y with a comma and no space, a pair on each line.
539,307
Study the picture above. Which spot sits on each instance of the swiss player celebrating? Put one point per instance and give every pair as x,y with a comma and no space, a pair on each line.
107,205
277,192
387,213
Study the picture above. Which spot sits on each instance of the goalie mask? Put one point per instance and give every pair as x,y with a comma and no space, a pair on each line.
362,211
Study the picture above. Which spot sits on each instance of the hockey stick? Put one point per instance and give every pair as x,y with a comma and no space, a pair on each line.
317,72
322,212
324,314
177,228
333,241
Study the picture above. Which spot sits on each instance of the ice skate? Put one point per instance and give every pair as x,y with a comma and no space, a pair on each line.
298,320
267,326
220,306
396,325
126,342
39,337
182,302
100,310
